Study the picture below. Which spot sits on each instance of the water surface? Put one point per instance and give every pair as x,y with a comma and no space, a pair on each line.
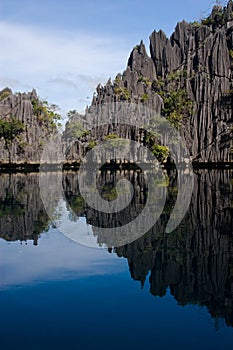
162,291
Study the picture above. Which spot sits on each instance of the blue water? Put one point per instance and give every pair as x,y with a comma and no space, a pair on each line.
58,294
84,298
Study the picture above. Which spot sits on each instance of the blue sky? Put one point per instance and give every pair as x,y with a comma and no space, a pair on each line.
65,48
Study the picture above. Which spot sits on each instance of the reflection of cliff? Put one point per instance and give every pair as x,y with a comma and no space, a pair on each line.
22,215
196,260
106,184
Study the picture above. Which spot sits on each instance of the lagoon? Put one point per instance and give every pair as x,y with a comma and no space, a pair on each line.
165,290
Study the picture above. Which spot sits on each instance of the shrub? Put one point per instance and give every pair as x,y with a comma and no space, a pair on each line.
145,80
91,144
144,97
176,105
231,53
195,24
122,92
4,94
71,113
160,152
207,21
45,113
110,137
76,130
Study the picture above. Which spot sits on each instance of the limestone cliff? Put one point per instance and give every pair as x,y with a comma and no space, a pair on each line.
187,78
38,123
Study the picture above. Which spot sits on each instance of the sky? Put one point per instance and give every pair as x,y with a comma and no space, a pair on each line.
50,260
63,49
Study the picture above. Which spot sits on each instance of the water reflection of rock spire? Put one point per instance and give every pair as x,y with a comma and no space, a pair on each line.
196,260
22,214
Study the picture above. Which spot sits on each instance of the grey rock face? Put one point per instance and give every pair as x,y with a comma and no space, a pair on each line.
198,58
141,63
27,148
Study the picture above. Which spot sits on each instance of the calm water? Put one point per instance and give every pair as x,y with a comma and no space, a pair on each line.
162,291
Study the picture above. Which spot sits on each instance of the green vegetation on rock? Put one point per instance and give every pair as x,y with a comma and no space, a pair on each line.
9,131
176,102
176,106
159,151
111,137
231,53
122,92
4,94
46,113
76,130
91,144
145,80
144,97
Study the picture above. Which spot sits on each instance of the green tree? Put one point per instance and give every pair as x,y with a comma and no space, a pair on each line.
160,152
46,114
177,104
9,131
76,130
71,113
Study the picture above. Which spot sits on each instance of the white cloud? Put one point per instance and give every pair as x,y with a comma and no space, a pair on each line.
4,81
64,67
56,257
63,82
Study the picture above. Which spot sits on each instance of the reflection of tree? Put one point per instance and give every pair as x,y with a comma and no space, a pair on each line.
10,206
73,196
77,204
106,184
22,214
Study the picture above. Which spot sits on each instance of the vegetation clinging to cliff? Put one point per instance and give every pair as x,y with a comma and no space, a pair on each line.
9,131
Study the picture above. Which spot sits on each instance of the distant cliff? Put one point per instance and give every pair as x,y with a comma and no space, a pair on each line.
187,79
25,125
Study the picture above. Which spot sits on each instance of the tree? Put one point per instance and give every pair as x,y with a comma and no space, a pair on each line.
9,130
46,114
76,130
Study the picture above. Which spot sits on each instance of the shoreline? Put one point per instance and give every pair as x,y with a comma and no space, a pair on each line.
37,167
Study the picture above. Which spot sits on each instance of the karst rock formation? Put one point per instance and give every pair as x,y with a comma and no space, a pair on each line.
187,78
